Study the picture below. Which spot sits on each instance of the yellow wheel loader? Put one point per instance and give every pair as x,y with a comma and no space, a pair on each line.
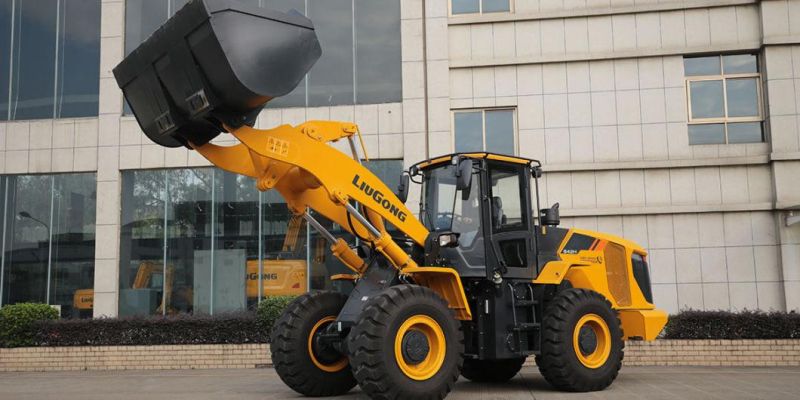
481,280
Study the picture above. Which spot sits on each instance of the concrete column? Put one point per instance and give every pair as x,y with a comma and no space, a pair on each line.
106,273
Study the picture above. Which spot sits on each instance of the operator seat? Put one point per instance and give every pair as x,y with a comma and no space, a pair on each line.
498,218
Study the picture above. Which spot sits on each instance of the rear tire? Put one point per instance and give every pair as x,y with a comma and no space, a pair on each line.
406,345
491,371
300,362
582,347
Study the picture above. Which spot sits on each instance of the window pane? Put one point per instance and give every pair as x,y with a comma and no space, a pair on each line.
79,59
73,243
740,64
5,51
378,65
500,131
285,253
490,6
506,197
27,237
190,262
32,92
746,132
706,99
701,66
141,242
469,131
742,97
707,134
330,81
142,18
465,6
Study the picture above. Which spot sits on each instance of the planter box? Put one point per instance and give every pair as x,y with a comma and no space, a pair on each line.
660,352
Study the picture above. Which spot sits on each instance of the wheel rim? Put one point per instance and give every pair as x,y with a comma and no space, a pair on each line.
591,341
420,347
334,366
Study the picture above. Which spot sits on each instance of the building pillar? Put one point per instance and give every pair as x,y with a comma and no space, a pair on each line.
106,272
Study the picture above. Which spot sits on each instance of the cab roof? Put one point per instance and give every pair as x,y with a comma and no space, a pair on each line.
475,155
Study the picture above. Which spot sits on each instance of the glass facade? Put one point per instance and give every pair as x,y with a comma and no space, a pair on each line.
204,240
49,58
48,240
360,40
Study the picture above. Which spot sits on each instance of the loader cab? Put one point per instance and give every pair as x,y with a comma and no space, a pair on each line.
477,207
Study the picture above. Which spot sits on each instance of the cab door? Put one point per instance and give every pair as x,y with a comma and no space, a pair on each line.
508,220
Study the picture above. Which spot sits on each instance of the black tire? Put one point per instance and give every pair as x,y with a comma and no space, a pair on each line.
491,371
294,363
559,361
372,341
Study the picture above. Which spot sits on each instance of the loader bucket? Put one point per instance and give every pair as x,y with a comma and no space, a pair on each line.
214,62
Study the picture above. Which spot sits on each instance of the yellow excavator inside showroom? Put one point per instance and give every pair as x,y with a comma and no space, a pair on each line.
480,279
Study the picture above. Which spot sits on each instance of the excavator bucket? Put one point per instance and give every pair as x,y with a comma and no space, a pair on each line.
214,62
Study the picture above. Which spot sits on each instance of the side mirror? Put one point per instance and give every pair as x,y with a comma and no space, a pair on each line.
536,172
463,174
402,187
550,216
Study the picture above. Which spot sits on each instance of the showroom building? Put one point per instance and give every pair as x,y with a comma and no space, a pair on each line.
672,123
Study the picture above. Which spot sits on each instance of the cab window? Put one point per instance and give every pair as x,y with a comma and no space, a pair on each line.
506,197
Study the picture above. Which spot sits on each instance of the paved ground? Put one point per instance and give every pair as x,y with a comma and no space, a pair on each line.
633,383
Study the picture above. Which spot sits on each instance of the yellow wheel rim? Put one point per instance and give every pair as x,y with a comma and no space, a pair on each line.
437,347
592,324
336,366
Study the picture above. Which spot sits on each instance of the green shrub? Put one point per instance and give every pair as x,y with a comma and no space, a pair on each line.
270,309
17,323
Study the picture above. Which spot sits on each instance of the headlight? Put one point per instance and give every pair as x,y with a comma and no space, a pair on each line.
449,239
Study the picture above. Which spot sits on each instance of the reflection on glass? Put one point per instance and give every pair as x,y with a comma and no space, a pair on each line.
491,6
696,66
5,62
330,81
141,273
745,132
49,241
34,59
78,66
707,99
742,97
190,267
500,131
468,131
297,97
707,134
465,6
378,64
740,64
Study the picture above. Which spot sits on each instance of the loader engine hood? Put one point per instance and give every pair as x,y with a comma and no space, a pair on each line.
214,63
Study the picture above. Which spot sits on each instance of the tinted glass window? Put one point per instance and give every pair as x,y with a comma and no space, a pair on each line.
740,64
506,201
5,55
742,97
330,81
701,66
745,132
378,65
468,131
465,6
707,99
490,6
33,80
707,134
79,59
500,131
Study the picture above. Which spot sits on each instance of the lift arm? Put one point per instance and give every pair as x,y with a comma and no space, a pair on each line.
310,174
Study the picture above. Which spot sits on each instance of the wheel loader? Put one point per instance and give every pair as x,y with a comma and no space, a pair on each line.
482,279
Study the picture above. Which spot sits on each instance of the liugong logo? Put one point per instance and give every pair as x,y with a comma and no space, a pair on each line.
377,195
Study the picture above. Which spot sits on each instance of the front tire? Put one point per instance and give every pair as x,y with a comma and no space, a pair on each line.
491,371
582,347
406,345
302,362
